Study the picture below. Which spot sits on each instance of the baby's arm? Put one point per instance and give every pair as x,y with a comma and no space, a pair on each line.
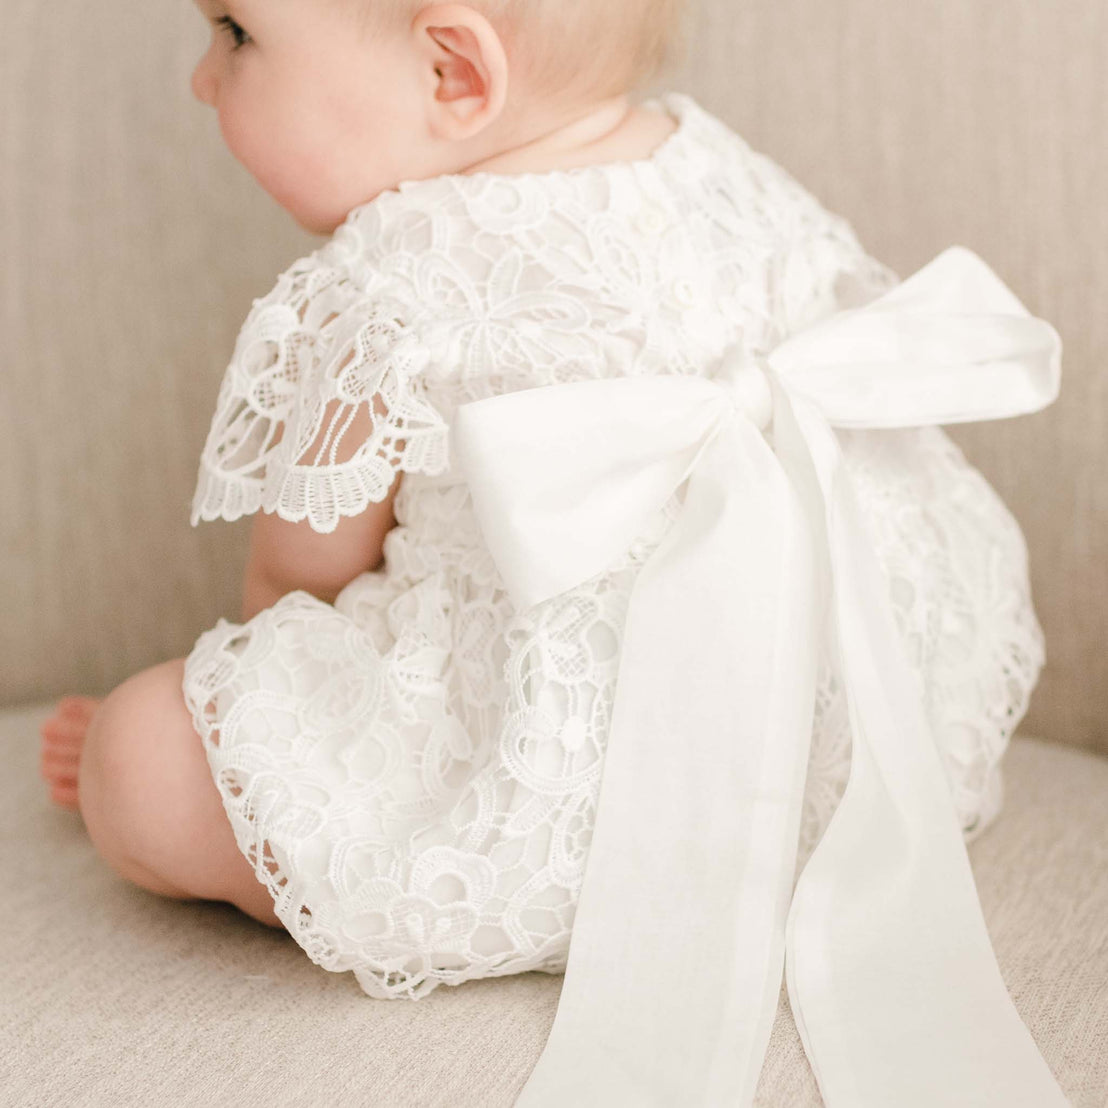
285,557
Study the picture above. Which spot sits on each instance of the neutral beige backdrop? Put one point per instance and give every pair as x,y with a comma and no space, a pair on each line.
131,245
985,124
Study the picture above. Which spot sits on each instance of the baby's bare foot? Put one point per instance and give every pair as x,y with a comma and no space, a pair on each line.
63,736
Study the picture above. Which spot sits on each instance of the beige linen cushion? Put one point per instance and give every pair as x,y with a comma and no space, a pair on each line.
113,996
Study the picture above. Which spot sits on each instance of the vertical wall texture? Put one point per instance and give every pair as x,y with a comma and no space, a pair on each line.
131,246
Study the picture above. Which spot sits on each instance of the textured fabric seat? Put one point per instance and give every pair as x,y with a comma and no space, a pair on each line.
110,995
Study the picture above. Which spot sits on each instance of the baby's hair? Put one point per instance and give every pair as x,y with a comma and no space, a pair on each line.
595,47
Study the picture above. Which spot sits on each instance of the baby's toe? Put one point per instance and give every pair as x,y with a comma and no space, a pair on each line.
64,795
59,734
77,708
59,760
63,736
70,720
61,778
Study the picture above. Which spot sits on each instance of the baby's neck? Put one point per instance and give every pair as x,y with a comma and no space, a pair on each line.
609,131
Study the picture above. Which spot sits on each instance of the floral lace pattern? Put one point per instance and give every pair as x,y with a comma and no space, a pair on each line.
413,771
320,407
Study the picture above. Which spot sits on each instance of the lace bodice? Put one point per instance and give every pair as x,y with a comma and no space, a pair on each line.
462,287
422,807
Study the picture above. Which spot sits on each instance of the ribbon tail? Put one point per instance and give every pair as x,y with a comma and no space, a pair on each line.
893,981
675,964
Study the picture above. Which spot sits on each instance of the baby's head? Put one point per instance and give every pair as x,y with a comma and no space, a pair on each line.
329,102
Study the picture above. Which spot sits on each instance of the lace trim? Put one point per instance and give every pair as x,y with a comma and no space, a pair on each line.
320,408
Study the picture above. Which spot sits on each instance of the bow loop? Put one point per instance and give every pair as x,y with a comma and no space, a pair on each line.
950,344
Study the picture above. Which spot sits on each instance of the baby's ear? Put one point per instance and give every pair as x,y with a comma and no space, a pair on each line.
467,68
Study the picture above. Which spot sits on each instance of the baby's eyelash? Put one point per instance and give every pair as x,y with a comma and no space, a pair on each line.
239,36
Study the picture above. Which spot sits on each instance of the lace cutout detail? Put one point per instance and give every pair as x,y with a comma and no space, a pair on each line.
320,407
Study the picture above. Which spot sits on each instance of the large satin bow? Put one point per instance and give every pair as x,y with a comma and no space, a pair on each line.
687,909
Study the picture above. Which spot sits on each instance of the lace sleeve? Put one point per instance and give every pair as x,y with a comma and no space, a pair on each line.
321,406
823,268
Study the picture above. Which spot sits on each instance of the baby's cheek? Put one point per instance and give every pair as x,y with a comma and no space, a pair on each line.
317,188
242,140
298,156
258,143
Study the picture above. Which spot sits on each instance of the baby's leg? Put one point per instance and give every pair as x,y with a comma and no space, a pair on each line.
149,801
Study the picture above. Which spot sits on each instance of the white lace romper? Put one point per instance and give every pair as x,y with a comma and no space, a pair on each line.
414,770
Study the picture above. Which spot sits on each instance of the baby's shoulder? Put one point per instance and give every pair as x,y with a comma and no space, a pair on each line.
702,170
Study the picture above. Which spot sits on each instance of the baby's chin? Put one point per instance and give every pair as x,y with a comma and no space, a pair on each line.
320,202
318,221
315,225
318,218
313,219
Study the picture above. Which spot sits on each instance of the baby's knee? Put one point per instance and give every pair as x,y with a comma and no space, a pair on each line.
133,767
123,735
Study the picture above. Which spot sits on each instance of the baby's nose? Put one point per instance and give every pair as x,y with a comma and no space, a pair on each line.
744,377
204,82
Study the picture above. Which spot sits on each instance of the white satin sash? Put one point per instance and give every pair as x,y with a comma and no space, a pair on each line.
687,910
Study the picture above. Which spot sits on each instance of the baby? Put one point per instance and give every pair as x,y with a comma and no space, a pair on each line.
397,754
328,104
